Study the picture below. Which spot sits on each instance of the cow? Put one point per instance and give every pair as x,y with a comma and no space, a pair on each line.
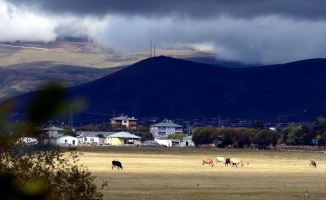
236,162
227,161
208,161
116,164
312,163
220,159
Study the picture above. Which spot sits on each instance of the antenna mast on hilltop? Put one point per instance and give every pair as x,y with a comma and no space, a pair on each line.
150,50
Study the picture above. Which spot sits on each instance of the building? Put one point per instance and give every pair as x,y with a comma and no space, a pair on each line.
121,138
187,141
129,122
165,128
168,143
67,141
94,140
51,134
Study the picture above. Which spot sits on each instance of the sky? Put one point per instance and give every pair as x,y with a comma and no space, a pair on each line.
248,31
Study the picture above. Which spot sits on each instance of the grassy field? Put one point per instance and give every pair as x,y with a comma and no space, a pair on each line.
177,173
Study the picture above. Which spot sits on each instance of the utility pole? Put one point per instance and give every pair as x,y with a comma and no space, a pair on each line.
71,118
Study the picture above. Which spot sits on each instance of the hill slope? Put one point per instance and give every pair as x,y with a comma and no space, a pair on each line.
175,88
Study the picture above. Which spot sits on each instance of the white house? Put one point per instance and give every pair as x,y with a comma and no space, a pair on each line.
88,140
67,141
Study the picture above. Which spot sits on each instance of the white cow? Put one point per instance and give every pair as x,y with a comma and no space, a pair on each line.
220,159
236,162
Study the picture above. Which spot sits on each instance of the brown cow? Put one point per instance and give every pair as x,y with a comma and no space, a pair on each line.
208,161
227,161
312,163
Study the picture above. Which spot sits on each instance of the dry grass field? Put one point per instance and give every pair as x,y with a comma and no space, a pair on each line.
177,173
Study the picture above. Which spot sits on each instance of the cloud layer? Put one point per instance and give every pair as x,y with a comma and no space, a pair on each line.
264,32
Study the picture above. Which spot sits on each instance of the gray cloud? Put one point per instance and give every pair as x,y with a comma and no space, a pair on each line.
203,9
265,32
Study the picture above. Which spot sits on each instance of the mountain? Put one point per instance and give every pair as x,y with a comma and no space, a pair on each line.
175,88
25,66
22,78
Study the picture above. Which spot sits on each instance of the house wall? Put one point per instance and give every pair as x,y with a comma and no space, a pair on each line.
67,140
55,133
185,143
115,141
89,139
162,132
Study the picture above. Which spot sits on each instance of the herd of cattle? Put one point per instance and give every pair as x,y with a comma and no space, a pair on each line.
234,162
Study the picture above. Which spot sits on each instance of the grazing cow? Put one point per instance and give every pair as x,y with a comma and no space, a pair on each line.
236,162
117,164
312,163
208,161
227,161
220,159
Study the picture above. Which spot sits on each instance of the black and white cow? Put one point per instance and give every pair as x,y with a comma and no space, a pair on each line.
117,164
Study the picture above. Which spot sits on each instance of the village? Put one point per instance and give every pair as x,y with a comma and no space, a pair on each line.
55,135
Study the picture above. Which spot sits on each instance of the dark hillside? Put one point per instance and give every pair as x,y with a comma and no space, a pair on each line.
175,88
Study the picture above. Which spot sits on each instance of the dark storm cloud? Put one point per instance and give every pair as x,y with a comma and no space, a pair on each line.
256,31
194,9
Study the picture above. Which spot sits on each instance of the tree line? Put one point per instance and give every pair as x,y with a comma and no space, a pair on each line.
261,137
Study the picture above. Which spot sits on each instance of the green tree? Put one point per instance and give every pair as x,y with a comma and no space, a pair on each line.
244,137
294,134
264,138
257,124
319,126
203,135
321,139
225,137
307,134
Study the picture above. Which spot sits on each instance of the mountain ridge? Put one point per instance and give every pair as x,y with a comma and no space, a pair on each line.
175,88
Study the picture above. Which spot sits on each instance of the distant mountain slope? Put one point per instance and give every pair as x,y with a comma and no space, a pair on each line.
22,78
168,87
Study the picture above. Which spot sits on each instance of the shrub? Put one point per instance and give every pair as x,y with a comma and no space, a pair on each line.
45,172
